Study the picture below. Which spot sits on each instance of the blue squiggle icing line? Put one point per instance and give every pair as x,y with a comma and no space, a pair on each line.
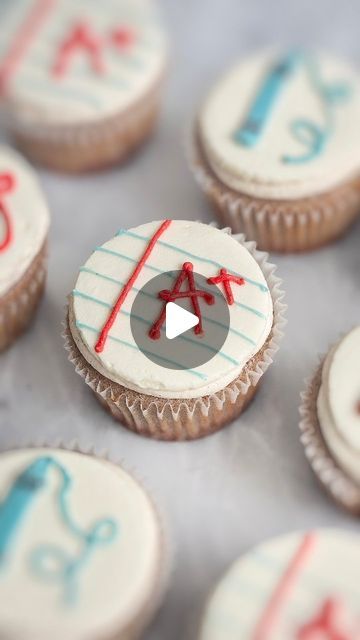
131,234
197,343
257,313
308,133
82,325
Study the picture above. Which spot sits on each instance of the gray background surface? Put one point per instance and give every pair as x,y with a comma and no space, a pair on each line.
251,481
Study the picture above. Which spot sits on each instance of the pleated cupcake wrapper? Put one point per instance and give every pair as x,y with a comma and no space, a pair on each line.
335,481
176,419
291,226
19,305
134,630
108,140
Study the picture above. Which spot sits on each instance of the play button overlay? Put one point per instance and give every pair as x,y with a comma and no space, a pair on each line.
178,320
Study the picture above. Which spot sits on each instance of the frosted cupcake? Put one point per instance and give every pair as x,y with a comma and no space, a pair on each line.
331,420
117,333
81,81
301,586
24,225
80,547
277,149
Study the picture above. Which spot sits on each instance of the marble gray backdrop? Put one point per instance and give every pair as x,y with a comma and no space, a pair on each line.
251,481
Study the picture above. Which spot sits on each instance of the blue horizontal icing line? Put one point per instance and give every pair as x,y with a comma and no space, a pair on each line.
148,266
197,343
131,234
81,325
144,293
53,90
120,255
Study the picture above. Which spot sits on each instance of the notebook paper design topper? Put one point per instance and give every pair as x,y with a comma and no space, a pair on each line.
119,304
49,562
74,61
290,588
312,136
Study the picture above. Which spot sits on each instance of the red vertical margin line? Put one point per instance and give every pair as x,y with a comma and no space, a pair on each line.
23,39
268,618
99,347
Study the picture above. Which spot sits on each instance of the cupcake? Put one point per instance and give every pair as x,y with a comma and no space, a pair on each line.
24,224
276,148
303,586
120,327
80,82
80,546
330,423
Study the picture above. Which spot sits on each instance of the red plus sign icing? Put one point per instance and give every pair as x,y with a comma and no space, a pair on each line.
226,279
123,37
7,185
193,293
326,625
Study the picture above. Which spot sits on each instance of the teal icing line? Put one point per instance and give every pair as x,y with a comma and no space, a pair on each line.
50,562
53,90
197,343
81,325
263,106
131,234
257,313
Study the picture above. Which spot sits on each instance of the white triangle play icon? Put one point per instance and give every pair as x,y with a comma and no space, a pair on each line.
178,320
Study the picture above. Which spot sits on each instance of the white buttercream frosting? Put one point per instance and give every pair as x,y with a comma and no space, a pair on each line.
112,583
100,283
338,403
257,590
29,219
288,104
34,95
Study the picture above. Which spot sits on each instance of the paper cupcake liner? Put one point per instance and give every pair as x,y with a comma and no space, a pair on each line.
137,627
284,226
18,306
188,419
89,146
334,480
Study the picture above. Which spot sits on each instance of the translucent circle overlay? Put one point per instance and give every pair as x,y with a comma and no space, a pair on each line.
190,349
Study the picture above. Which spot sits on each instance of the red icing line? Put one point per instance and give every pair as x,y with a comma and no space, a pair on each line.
226,278
81,37
99,347
22,41
325,624
193,293
282,590
7,185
